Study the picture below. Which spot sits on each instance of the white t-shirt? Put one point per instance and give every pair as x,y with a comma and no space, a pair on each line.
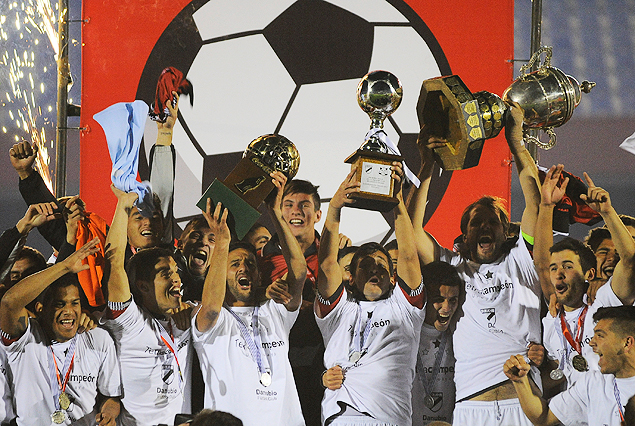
442,390
499,318
591,400
7,411
380,382
95,368
232,378
156,386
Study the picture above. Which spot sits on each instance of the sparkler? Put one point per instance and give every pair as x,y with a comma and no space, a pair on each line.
28,76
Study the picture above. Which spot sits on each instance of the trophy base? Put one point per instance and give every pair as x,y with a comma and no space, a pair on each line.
377,190
241,217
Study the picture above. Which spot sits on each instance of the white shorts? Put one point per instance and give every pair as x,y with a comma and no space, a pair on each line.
358,421
507,412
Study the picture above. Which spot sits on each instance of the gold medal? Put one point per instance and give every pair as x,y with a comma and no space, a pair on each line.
354,357
58,417
65,401
580,363
265,379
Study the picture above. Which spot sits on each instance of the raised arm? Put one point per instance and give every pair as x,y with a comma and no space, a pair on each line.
116,243
427,247
13,314
550,195
216,279
526,166
534,406
623,282
162,164
410,268
329,273
291,250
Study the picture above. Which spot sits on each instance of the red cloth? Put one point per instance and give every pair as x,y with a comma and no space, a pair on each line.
93,226
571,208
170,80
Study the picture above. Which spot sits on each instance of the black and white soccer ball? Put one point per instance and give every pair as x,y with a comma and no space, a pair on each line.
291,67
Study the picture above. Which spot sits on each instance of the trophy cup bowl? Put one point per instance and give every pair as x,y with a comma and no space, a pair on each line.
249,183
379,94
547,96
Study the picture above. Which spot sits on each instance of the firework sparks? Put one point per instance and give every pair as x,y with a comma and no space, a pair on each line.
28,76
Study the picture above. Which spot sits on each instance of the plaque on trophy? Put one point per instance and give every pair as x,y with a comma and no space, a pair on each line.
547,97
249,183
379,94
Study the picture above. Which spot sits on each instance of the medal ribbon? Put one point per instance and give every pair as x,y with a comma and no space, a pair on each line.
616,391
576,343
428,386
360,338
66,371
253,343
163,333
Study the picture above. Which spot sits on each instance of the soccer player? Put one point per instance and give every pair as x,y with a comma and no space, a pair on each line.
372,332
242,342
598,397
566,267
154,352
501,313
58,373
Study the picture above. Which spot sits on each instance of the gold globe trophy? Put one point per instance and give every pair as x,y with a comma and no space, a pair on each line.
249,182
547,96
379,94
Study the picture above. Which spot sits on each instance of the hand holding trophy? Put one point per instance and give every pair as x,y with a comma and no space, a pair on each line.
547,96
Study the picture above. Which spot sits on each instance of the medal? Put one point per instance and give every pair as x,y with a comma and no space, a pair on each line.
429,401
354,357
64,400
580,363
58,417
556,374
265,379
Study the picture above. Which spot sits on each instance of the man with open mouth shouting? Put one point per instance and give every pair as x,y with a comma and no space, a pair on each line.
58,372
154,353
565,269
501,313
243,342
370,327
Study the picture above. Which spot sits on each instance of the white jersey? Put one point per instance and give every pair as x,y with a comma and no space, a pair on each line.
442,389
95,368
500,317
156,383
232,376
7,411
592,401
379,383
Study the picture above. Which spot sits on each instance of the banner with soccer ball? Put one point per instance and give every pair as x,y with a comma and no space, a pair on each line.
292,67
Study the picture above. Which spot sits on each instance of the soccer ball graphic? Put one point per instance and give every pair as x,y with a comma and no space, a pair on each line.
290,67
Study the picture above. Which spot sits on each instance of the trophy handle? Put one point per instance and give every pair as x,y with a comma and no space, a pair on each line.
541,144
547,50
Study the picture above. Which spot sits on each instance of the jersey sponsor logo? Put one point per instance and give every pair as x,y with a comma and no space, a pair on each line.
374,324
266,395
494,289
157,352
166,391
89,378
442,370
274,344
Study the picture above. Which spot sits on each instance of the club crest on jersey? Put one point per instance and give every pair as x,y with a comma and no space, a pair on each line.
167,373
490,315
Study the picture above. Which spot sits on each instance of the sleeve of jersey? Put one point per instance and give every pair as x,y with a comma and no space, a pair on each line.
571,406
327,305
529,243
15,344
605,296
116,309
109,380
217,329
417,296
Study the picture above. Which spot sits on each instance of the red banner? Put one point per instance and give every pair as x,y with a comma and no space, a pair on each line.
291,67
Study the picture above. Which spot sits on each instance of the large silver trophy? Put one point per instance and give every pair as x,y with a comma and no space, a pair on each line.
547,96
249,183
379,94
